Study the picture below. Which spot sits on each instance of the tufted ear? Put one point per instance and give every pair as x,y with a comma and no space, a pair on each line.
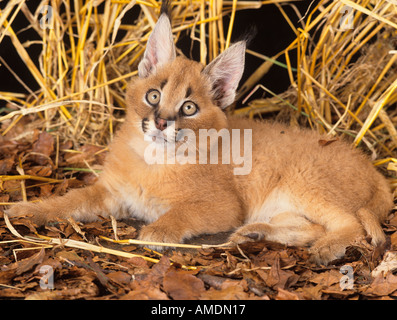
160,48
224,74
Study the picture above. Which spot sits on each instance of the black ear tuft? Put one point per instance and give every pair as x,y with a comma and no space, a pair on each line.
248,35
166,8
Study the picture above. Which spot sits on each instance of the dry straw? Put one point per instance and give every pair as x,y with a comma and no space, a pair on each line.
346,78
89,53
343,81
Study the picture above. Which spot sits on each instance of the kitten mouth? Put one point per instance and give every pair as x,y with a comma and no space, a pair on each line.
160,136
150,135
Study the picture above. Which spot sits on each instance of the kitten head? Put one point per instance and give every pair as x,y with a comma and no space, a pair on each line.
173,93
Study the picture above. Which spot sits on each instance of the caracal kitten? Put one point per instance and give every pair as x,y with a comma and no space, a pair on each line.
296,191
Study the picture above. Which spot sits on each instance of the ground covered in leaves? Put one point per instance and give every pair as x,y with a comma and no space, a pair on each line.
262,270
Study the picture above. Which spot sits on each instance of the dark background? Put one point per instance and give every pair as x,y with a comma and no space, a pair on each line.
273,34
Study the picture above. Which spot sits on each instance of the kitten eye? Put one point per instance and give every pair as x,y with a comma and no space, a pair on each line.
153,97
189,108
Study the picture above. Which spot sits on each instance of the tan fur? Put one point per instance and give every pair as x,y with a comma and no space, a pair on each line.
298,192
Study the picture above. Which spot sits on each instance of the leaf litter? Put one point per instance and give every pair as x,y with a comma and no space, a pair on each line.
103,269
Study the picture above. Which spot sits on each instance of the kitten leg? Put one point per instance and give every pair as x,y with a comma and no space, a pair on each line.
81,204
342,229
333,245
183,223
288,228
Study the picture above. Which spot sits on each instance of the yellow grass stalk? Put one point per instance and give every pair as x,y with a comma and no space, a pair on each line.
375,111
390,126
231,23
164,244
28,177
151,243
378,80
203,47
370,13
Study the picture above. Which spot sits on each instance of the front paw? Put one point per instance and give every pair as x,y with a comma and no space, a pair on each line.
156,233
28,209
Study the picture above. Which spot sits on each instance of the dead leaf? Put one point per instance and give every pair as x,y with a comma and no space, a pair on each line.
87,153
326,142
138,262
382,286
6,165
8,147
147,285
46,295
11,293
286,295
144,290
158,271
46,190
69,256
236,291
337,292
312,292
278,278
76,228
393,221
41,171
327,278
25,222
182,286
120,277
44,146
28,263
213,281
7,275
4,197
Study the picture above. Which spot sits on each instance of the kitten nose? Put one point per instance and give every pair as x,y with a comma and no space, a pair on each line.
161,124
